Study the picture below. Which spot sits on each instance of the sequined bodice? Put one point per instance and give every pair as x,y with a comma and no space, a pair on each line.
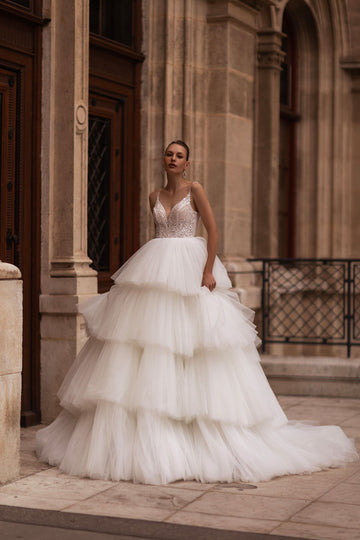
181,222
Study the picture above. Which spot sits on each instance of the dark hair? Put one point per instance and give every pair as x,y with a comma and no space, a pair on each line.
181,143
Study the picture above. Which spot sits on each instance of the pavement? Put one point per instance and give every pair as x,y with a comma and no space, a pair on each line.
47,504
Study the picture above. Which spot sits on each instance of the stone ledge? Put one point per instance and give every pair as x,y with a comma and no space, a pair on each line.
129,527
9,271
313,376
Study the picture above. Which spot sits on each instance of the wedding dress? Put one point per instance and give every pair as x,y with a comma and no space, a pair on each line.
169,384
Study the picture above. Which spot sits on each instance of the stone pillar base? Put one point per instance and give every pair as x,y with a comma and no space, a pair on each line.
10,370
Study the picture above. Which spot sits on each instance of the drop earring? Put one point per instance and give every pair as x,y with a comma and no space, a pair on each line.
184,174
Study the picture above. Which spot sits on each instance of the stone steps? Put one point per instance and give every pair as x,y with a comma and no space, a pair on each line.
313,375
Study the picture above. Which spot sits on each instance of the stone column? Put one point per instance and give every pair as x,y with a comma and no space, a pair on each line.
10,370
232,47
352,67
66,275
267,144
174,90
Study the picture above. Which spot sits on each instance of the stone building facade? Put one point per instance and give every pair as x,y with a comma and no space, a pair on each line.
267,94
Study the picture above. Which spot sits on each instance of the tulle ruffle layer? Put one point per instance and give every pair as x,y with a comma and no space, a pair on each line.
110,442
227,386
182,324
175,264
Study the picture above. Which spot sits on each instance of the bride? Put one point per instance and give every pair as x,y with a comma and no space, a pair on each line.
169,384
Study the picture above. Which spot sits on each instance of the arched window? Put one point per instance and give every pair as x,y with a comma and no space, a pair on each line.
289,118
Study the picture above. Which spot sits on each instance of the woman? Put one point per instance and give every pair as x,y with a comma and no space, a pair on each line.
169,384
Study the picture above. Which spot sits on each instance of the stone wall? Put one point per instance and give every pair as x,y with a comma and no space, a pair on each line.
10,370
66,277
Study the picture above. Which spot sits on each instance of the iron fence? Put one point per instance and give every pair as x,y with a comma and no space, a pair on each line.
311,301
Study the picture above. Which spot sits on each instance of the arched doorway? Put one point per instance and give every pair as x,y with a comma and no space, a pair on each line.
299,134
289,119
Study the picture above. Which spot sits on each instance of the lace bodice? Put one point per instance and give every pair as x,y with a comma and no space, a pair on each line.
181,222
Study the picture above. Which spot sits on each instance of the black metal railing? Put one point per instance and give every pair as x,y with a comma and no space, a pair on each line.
311,301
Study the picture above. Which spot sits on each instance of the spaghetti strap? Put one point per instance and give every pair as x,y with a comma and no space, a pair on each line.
191,201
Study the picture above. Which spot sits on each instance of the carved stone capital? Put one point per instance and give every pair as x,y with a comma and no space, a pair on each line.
269,54
270,59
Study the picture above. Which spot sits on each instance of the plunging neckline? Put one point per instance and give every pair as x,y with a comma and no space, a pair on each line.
167,215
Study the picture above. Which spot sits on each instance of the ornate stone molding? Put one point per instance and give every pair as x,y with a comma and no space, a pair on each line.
81,114
240,13
71,267
270,59
270,55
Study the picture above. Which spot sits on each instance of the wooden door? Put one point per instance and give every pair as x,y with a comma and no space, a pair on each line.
105,185
114,145
19,187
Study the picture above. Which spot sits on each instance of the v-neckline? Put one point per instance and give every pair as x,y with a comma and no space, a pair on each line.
167,215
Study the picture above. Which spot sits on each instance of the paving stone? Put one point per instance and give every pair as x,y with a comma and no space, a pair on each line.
137,501
242,505
201,519
344,493
354,421
290,401
330,513
54,484
318,532
355,479
33,501
198,486
308,487
322,415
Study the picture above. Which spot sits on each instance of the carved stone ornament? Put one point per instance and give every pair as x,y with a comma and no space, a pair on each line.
81,117
270,59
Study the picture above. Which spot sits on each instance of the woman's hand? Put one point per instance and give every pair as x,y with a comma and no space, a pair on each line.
208,281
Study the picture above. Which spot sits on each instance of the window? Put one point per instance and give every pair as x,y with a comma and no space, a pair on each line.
113,19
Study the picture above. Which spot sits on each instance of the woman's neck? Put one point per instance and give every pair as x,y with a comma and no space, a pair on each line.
175,182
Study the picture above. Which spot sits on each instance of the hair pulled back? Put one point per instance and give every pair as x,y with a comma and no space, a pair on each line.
180,143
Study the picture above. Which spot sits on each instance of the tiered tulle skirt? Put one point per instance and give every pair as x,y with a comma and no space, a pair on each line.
169,384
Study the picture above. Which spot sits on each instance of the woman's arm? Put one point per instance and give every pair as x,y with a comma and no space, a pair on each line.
152,199
207,216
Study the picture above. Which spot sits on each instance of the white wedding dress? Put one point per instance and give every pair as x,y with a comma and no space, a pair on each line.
169,384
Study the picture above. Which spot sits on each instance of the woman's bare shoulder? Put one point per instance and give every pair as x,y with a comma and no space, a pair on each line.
196,186
197,189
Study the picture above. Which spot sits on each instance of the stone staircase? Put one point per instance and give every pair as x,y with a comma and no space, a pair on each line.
313,375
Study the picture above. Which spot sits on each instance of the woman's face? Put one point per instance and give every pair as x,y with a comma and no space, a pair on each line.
175,159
